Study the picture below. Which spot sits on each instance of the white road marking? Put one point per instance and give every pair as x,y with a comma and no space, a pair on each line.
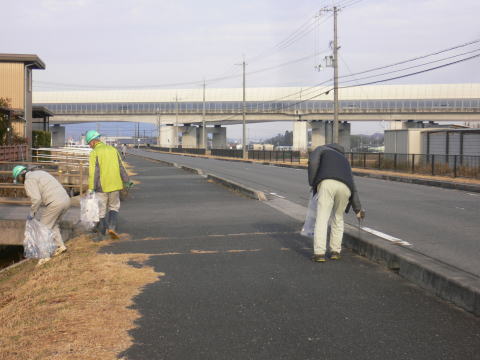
386,236
280,196
459,208
473,194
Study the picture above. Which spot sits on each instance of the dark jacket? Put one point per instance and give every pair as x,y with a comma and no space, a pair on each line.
329,162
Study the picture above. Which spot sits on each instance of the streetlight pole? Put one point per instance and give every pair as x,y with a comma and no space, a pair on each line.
335,77
244,109
204,127
175,143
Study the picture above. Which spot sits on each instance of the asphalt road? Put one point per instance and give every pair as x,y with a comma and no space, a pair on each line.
239,284
441,223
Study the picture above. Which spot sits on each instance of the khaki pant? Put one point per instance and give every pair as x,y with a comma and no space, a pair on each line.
333,197
51,216
110,201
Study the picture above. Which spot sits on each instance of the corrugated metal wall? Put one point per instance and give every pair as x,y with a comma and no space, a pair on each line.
437,143
12,83
454,144
471,144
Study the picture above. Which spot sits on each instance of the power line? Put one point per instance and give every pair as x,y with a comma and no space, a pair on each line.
414,59
412,67
415,73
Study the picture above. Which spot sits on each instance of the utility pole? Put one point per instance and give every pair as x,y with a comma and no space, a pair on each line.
175,143
332,61
244,110
204,127
335,77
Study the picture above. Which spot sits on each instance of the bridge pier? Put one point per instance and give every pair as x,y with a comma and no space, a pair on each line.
219,140
322,133
189,136
167,136
300,135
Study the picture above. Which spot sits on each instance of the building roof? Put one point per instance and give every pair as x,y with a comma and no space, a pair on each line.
40,112
28,59
371,92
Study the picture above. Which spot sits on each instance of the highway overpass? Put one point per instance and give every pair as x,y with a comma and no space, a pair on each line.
178,111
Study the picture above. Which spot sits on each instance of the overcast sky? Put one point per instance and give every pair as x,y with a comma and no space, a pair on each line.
120,43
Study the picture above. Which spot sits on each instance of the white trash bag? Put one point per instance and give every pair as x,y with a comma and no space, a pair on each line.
308,228
89,212
38,242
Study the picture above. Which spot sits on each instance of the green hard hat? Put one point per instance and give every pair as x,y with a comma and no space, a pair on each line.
91,135
17,170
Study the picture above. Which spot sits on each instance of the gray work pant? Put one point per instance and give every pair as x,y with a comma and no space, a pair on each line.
108,201
51,216
333,197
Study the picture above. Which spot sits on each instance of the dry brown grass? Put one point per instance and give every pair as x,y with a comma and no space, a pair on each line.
74,307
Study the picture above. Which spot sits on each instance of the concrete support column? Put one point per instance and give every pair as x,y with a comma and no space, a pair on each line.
219,140
189,137
318,133
58,135
300,135
200,137
167,136
322,133
344,135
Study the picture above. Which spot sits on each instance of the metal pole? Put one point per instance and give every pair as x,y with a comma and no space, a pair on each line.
204,134
175,143
335,77
244,108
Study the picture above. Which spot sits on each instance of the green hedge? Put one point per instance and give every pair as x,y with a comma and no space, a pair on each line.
41,138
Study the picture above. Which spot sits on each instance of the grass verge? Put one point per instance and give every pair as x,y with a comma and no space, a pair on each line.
77,306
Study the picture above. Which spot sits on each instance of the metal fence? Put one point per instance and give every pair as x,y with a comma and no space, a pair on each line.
233,153
441,165
275,155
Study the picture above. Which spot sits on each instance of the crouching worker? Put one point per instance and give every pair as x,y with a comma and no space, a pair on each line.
330,175
43,189
107,176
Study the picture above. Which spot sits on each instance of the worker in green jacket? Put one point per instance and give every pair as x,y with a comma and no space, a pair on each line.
107,177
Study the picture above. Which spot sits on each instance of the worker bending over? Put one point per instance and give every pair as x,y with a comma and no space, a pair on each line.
106,178
43,189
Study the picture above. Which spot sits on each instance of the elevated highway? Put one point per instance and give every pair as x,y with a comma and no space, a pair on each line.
443,102
176,112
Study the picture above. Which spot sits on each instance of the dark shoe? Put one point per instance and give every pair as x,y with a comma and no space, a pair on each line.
101,230
112,224
319,258
335,256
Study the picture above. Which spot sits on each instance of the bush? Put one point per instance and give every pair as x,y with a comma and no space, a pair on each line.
41,138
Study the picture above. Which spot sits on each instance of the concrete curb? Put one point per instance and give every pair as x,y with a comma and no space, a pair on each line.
447,282
251,193
443,280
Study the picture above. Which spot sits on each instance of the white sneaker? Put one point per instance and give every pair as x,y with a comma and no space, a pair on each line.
60,250
43,261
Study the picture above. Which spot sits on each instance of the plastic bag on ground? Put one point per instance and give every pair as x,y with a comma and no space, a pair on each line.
308,228
89,213
38,242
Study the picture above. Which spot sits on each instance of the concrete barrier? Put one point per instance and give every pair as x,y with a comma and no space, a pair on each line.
13,231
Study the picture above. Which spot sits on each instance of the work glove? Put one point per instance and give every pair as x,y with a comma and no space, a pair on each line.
30,216
128,185
361,214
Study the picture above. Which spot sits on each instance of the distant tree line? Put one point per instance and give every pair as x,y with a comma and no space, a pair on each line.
281,140
363,143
